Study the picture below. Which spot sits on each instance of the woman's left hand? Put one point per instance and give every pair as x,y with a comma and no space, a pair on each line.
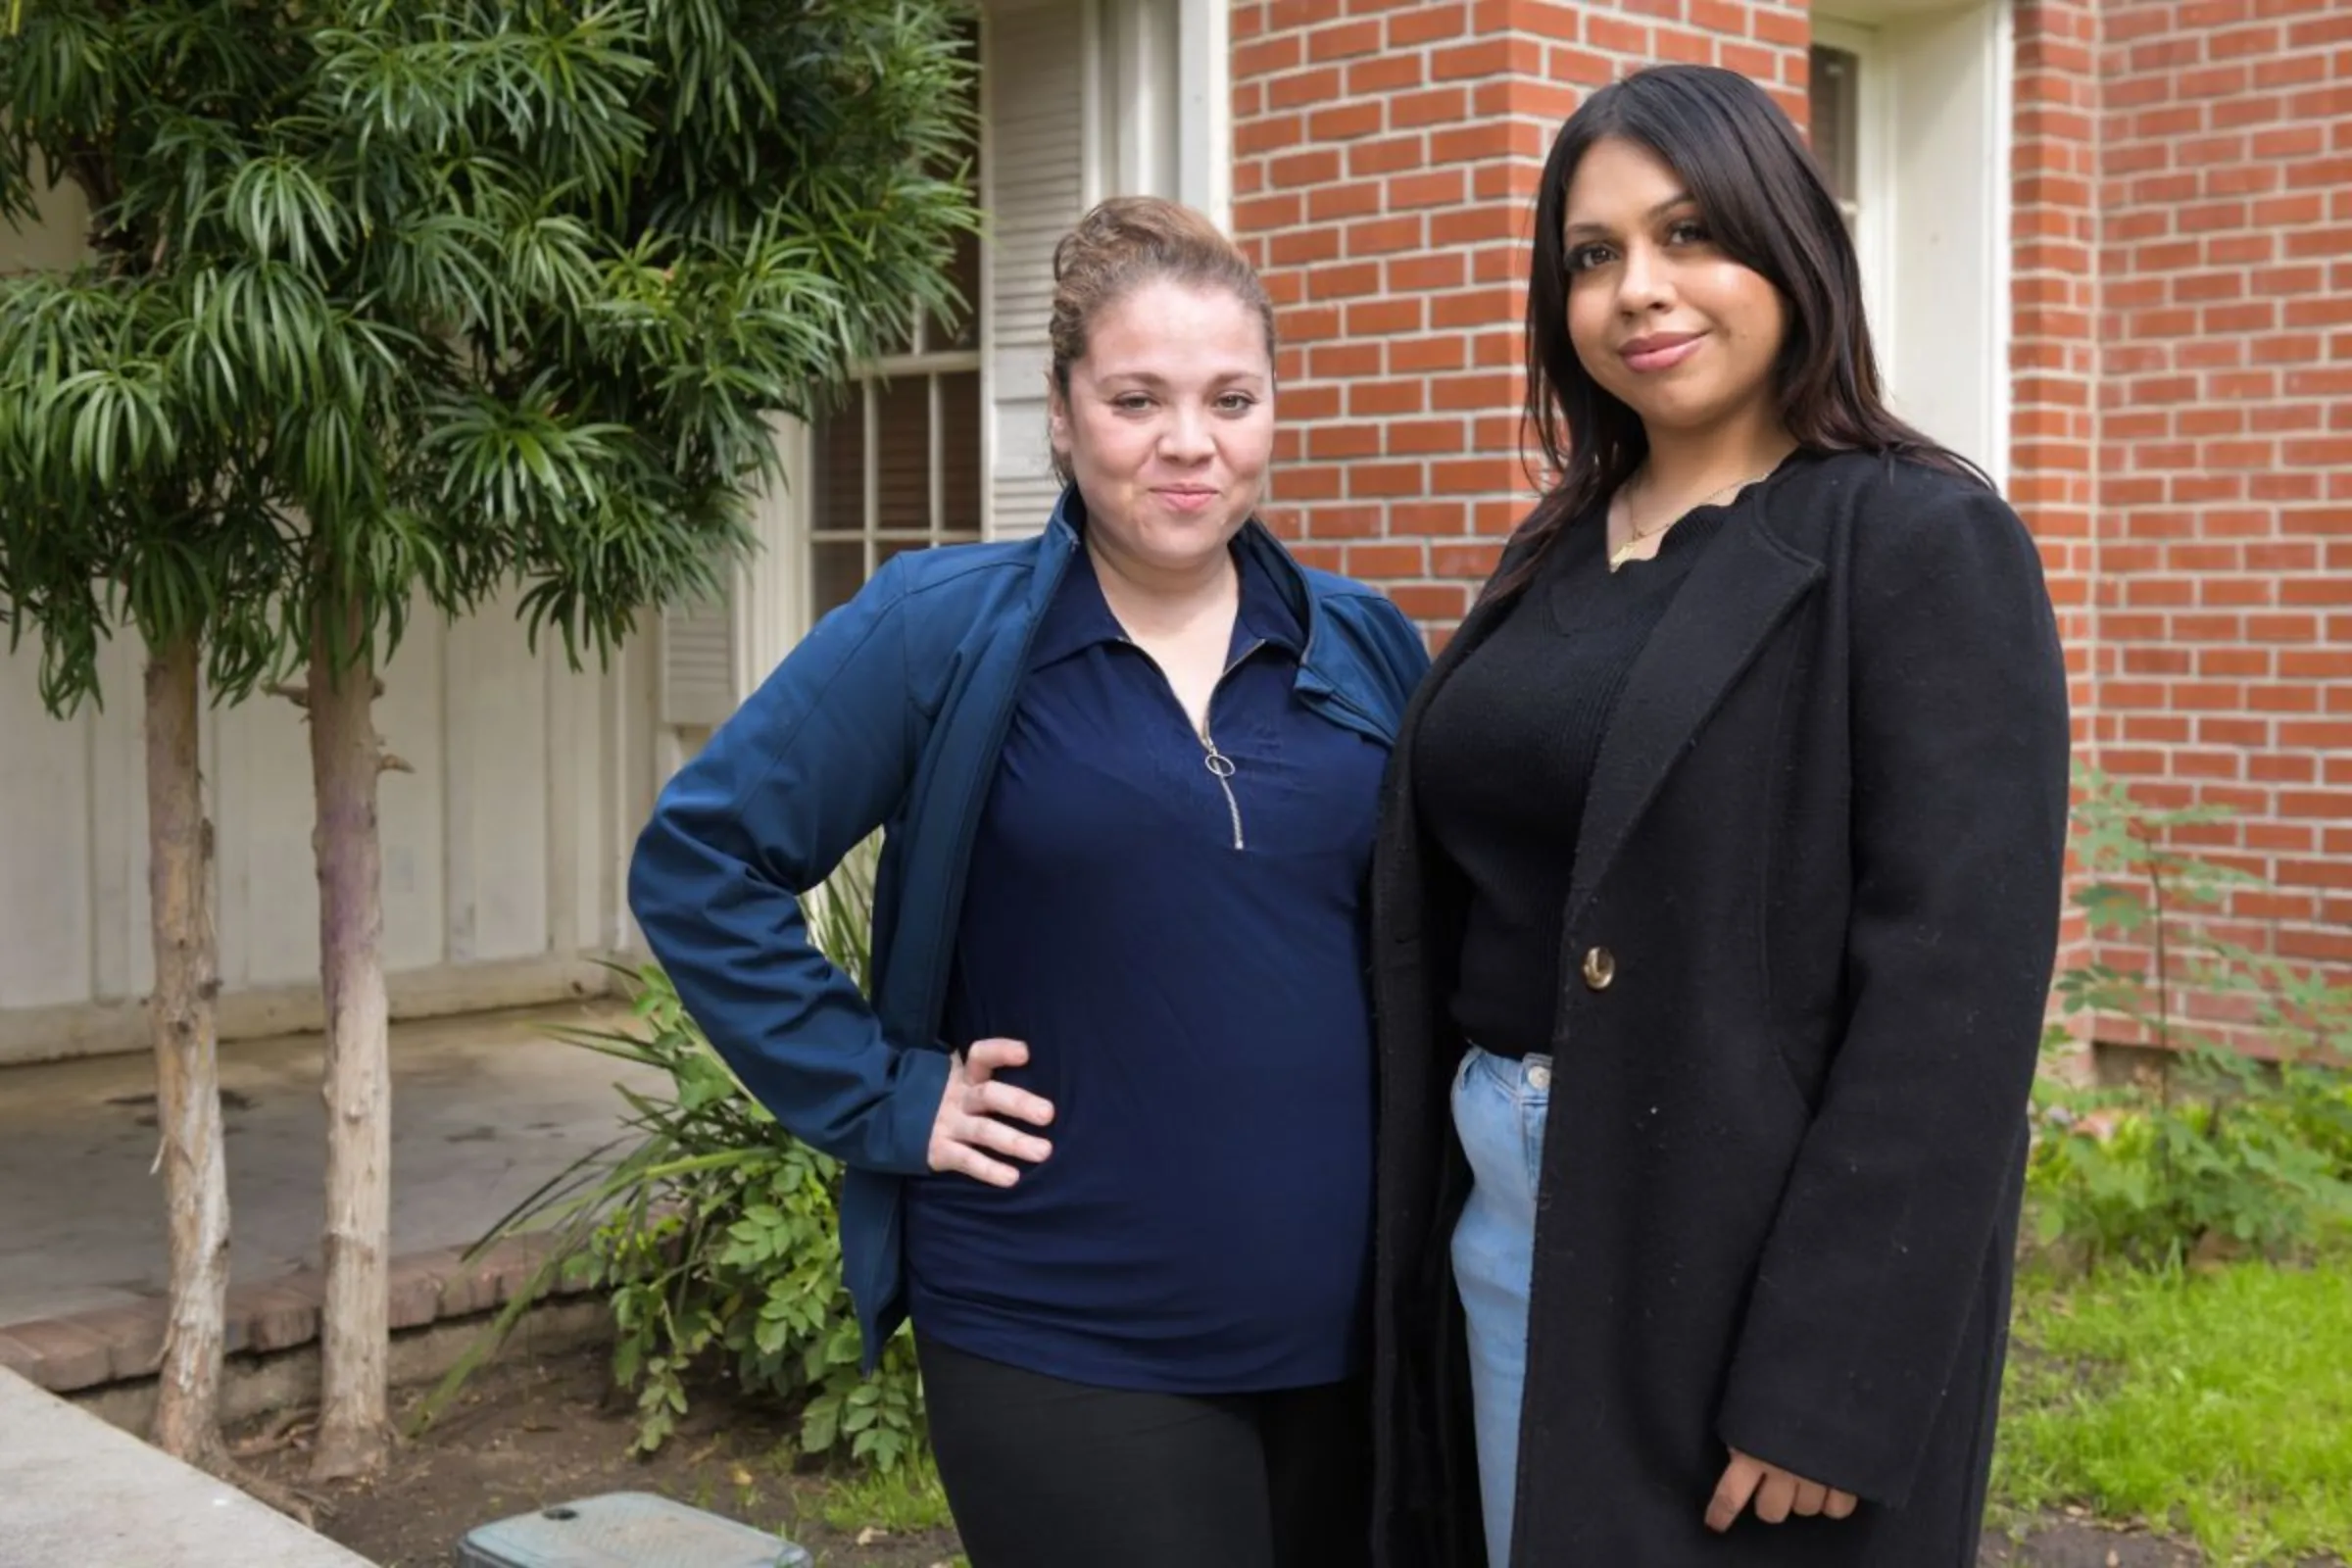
1776,1493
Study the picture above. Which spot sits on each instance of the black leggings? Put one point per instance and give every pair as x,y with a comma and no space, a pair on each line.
1046,1474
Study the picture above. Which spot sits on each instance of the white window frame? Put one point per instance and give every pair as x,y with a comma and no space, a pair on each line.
1874,137
868,384
1934,121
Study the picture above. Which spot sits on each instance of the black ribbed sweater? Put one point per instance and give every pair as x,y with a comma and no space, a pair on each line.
1505,754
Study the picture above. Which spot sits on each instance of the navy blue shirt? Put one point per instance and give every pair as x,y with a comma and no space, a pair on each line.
1188,970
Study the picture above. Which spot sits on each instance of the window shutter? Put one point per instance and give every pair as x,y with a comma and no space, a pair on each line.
698,664
1035,191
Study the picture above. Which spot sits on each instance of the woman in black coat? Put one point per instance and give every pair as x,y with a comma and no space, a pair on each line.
1716,904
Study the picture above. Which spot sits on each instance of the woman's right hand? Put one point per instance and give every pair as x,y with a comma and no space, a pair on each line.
968,1130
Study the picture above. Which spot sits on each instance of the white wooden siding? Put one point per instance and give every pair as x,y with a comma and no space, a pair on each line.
504,850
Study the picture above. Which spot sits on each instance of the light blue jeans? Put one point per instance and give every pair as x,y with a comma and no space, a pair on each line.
1500,1104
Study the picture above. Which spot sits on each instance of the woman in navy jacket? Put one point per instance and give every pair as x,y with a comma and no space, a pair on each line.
1107,1115
1717,897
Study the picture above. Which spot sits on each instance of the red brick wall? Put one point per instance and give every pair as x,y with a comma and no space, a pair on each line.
2053,353
1385,165
2223,633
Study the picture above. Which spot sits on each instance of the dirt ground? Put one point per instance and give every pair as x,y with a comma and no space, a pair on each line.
2073,1544
533,1433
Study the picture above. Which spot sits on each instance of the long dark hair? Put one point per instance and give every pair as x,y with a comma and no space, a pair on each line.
1766,207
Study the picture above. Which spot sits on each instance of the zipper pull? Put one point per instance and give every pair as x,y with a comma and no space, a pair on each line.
1220,767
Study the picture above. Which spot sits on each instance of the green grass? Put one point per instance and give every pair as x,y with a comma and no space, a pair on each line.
905,1501
2216,1404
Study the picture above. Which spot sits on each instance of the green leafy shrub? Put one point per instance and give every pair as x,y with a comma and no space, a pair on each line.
715,1235
2208,1147
2221,1155
719,1240
2323,1112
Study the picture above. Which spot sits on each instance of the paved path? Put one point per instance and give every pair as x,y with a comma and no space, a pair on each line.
75,1492
484,1110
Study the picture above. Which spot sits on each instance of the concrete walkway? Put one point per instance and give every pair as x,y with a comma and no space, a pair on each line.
75,1492
484,1110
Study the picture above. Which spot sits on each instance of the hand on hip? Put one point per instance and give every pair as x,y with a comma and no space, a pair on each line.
969,1132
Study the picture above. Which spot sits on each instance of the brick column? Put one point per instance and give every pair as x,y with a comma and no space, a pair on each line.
1386,162
2053,353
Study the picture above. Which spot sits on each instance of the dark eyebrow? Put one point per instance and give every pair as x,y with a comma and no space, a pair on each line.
1148,380
1678,198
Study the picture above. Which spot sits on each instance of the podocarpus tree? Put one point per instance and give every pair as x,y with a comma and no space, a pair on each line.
397,303
125,505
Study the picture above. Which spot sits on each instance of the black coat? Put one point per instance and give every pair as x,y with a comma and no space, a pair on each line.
1805,960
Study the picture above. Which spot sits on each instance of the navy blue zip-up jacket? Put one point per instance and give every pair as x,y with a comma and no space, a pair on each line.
891,715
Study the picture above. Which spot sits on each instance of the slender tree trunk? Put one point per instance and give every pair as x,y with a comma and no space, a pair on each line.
355,1327
187,1078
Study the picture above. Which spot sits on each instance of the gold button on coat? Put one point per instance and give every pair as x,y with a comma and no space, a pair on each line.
1600,968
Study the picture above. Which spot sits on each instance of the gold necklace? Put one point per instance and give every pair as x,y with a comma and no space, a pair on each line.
1624,552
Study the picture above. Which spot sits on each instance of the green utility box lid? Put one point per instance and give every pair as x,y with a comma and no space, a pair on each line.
625,1529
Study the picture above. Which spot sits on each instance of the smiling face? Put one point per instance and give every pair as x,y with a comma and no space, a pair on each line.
1659,316
1168,423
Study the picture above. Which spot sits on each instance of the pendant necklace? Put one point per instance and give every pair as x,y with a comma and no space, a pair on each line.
1624,552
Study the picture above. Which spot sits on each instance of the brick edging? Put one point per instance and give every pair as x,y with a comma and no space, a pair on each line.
83,1350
